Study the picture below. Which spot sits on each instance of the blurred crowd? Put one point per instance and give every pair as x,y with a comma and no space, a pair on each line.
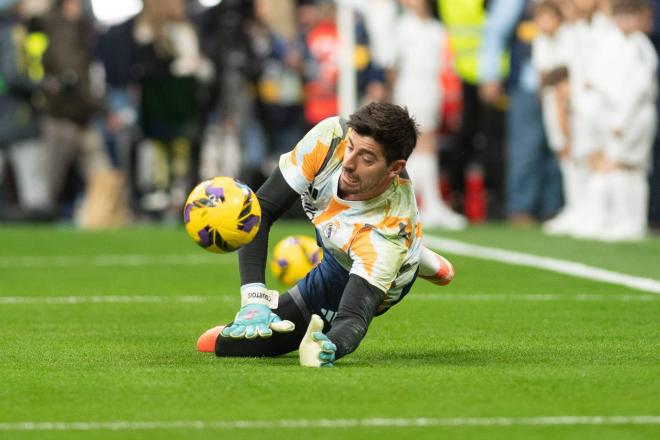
530,111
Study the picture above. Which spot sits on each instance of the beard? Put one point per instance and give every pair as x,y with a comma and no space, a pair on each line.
349,184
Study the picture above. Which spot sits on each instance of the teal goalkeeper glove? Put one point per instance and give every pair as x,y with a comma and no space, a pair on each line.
315,349
255,317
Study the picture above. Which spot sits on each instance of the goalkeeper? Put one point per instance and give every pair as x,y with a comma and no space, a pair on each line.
351,178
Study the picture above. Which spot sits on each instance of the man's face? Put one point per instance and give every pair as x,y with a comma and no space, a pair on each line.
365,172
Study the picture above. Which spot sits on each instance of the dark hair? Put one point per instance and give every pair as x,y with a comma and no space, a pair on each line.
628,6
547,6
388,124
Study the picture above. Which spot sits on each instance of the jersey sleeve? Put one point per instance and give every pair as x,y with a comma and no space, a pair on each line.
302,164
376,258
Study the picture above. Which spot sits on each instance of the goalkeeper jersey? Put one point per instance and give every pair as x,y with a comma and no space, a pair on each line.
377,239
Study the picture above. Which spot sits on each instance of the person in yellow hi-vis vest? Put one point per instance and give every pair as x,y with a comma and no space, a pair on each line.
479,139
22,45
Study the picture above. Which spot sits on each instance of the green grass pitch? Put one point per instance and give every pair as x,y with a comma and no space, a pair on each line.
101,328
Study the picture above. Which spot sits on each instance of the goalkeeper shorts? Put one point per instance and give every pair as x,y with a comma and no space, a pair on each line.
321,290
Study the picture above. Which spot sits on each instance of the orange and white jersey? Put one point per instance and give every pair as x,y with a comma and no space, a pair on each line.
378,239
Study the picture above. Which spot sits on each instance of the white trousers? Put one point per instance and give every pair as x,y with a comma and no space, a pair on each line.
615,207
26,158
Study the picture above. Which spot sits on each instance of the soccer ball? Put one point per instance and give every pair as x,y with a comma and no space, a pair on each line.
222,214
294,257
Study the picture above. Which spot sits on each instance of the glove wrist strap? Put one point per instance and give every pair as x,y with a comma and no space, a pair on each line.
257,293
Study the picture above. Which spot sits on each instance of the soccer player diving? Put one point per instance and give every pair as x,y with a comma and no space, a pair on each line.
354,189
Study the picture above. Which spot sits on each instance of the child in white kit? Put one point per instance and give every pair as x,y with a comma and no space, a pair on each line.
584,33
624,77
549,58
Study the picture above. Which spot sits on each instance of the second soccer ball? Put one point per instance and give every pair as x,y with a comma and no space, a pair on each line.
293,257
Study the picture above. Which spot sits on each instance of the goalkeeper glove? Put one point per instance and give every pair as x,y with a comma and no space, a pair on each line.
316,350
255,317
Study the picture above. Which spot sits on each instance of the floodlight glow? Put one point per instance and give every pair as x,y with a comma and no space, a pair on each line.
115,11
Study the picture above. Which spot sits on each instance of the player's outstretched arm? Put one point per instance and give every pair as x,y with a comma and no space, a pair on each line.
255,318
357,308
435,268
275,197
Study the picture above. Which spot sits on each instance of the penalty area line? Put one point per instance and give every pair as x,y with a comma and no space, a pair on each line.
126,425
566,267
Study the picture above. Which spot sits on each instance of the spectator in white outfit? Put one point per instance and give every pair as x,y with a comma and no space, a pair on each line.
549,57
624,80
420,40
379,18
550,54
585,36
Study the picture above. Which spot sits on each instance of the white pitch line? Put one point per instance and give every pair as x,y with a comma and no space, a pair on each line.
28,262
552,264
453,246
125,425
101,299
124,299
542,297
